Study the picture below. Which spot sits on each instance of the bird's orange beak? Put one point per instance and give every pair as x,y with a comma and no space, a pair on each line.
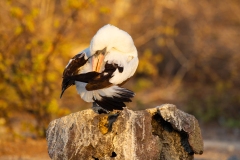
97,60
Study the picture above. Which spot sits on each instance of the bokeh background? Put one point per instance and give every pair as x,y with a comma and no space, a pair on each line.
188,51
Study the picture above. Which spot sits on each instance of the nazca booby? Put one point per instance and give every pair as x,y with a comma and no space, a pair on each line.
99,71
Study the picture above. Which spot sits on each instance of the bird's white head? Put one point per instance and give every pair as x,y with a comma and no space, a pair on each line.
110,37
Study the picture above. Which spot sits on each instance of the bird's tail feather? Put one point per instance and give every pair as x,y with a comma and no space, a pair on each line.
117,100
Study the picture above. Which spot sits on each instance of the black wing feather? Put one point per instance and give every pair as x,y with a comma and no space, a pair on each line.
102,81
72,69
116,102
76,62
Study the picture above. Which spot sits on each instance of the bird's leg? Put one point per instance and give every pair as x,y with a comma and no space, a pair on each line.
99,110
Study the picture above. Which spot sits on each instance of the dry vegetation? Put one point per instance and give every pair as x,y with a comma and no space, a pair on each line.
188,50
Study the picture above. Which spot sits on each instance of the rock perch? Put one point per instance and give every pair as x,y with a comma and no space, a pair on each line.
161,133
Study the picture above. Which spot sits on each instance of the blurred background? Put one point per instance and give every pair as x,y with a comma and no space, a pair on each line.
188,51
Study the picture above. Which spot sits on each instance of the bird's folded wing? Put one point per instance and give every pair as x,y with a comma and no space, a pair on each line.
102,80
74,64
72,69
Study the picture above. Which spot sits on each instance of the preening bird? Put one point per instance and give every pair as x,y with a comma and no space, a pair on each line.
99,71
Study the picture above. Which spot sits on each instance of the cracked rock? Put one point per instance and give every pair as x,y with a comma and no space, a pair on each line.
158,133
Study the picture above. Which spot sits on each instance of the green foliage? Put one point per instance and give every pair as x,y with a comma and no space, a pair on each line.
219,105
232,123
143,84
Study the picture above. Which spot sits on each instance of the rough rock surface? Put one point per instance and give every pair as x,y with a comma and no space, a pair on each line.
164,133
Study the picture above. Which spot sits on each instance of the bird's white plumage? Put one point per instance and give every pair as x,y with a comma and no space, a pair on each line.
89,95
121,59
120,49
112,37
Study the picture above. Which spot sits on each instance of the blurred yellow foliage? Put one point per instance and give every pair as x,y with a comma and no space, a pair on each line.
195,42
3,105
53,107
143,84
105,10
16,12
2,121
148,63
18,30
161,42
74,4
